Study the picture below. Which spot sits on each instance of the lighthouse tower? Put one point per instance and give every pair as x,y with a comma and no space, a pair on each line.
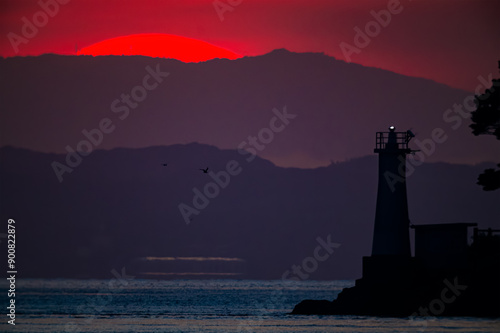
391,236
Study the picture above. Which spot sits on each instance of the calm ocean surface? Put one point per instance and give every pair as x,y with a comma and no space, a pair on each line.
197,306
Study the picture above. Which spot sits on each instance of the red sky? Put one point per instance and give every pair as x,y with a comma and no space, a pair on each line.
449,41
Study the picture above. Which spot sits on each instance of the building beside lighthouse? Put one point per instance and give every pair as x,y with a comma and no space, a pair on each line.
447,276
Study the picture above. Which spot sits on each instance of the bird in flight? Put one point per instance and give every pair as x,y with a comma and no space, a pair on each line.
165,164
204,170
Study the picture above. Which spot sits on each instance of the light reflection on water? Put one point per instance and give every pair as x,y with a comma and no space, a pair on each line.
200,306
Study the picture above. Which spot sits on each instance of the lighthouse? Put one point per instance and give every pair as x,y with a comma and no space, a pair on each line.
393,282
391,236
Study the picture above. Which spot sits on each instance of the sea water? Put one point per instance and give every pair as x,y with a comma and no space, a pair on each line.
133,305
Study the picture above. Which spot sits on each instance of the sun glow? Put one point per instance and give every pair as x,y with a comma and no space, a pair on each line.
159,46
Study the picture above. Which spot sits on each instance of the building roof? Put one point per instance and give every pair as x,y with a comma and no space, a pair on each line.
444,225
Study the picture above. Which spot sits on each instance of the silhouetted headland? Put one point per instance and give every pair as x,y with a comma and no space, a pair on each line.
446,277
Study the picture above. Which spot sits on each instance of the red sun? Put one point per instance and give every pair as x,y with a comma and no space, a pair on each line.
159,46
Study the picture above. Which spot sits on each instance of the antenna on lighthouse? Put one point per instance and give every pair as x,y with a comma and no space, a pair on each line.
409,135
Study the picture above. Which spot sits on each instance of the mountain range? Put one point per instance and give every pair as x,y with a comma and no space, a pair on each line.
121,206
48,100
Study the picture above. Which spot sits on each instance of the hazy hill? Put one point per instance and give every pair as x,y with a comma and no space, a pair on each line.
122,204
48,100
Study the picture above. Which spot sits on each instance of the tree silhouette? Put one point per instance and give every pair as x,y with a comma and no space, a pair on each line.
486,118
486,121
489,179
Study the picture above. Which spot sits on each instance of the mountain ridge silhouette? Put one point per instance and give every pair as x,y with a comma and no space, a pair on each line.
122,204
339,105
